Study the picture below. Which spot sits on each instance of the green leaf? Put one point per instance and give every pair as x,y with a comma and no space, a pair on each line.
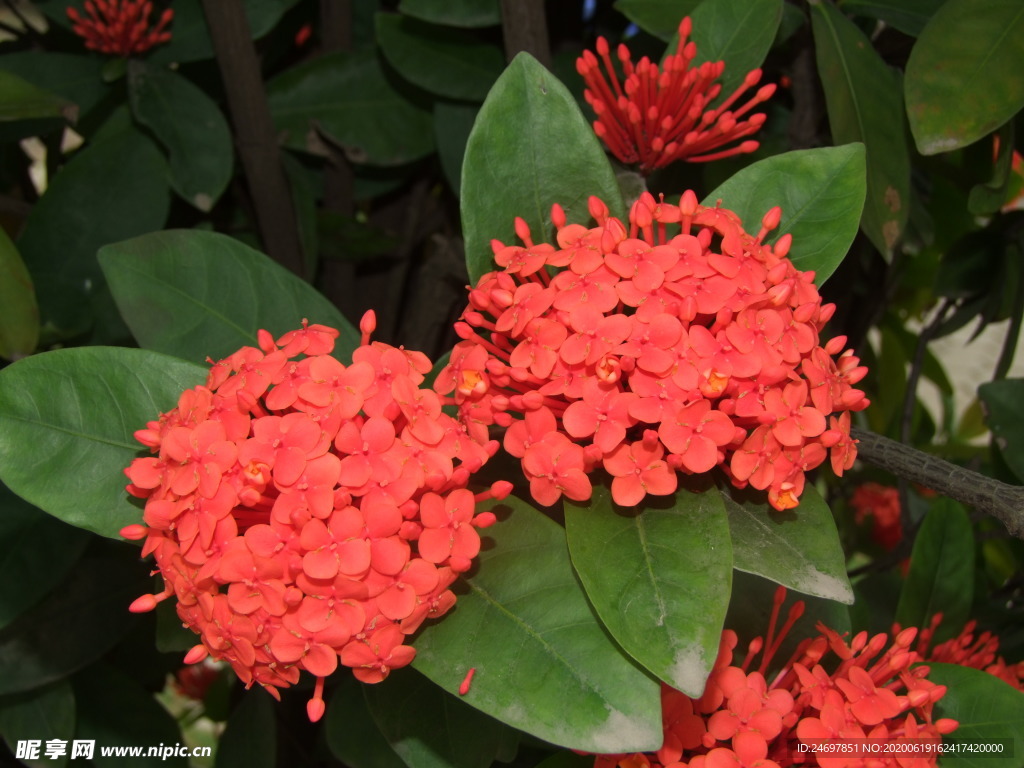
964,77
352,735
79,621
1003,402
250,738
738,32
110,190
987,198
452,124
67,420
114,710
36,553
197,294
454,13
350,100
863,99
543,662
988,710
821,192
43,714
190,126
908,16
941,575
656,17
441,60
19,318
665,598
75,78
530,148
799,549
20,100
430,728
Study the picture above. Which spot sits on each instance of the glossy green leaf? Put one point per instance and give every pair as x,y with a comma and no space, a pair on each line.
350,100
250,738
964,78
863,99
665,599
543,662
197,294
454,13
79,621
441,60
190,126
352,735
42,714
66,423
738,32
530,147
430,728
19,316
656,17
908,16
799,549
116,711
453,122
20,100
36,553
1003,402
74,77
821,193
941,575
988,710
110,190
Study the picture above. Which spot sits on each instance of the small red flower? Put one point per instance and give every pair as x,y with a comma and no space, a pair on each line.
881,505
120,27
658,116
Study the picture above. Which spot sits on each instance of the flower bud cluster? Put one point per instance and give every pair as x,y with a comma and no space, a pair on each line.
677,345
307,513
120,27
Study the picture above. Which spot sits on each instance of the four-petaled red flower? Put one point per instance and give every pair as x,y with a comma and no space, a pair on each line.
307,513
679,344
657,116
120,27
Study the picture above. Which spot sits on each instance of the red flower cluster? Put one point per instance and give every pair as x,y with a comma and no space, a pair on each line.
968,651
658,116
120,27
881,504
304,512
744,721
647,354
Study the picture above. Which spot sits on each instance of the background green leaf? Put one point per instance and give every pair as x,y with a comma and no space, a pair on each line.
67,420
964,77
456,13
530,148
41,714
821,192
941,575
21,100
738,32
19,318
659,578
190,126
862,94
1004,406
799,549
656,17
74,77
453,122
250,738
199,294
352,735
908,16
441,60
543,662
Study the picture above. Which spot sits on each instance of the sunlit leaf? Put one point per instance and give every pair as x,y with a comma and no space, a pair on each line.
543,662
66,423
863,97
197,294
665,598
821,193
530,147
964,77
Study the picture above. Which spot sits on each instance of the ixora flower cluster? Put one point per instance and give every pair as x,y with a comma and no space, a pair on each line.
659,116
120,27
305,513
646,354
872,691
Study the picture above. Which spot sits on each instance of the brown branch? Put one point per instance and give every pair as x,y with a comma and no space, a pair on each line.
1000,500
254,131
525,28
